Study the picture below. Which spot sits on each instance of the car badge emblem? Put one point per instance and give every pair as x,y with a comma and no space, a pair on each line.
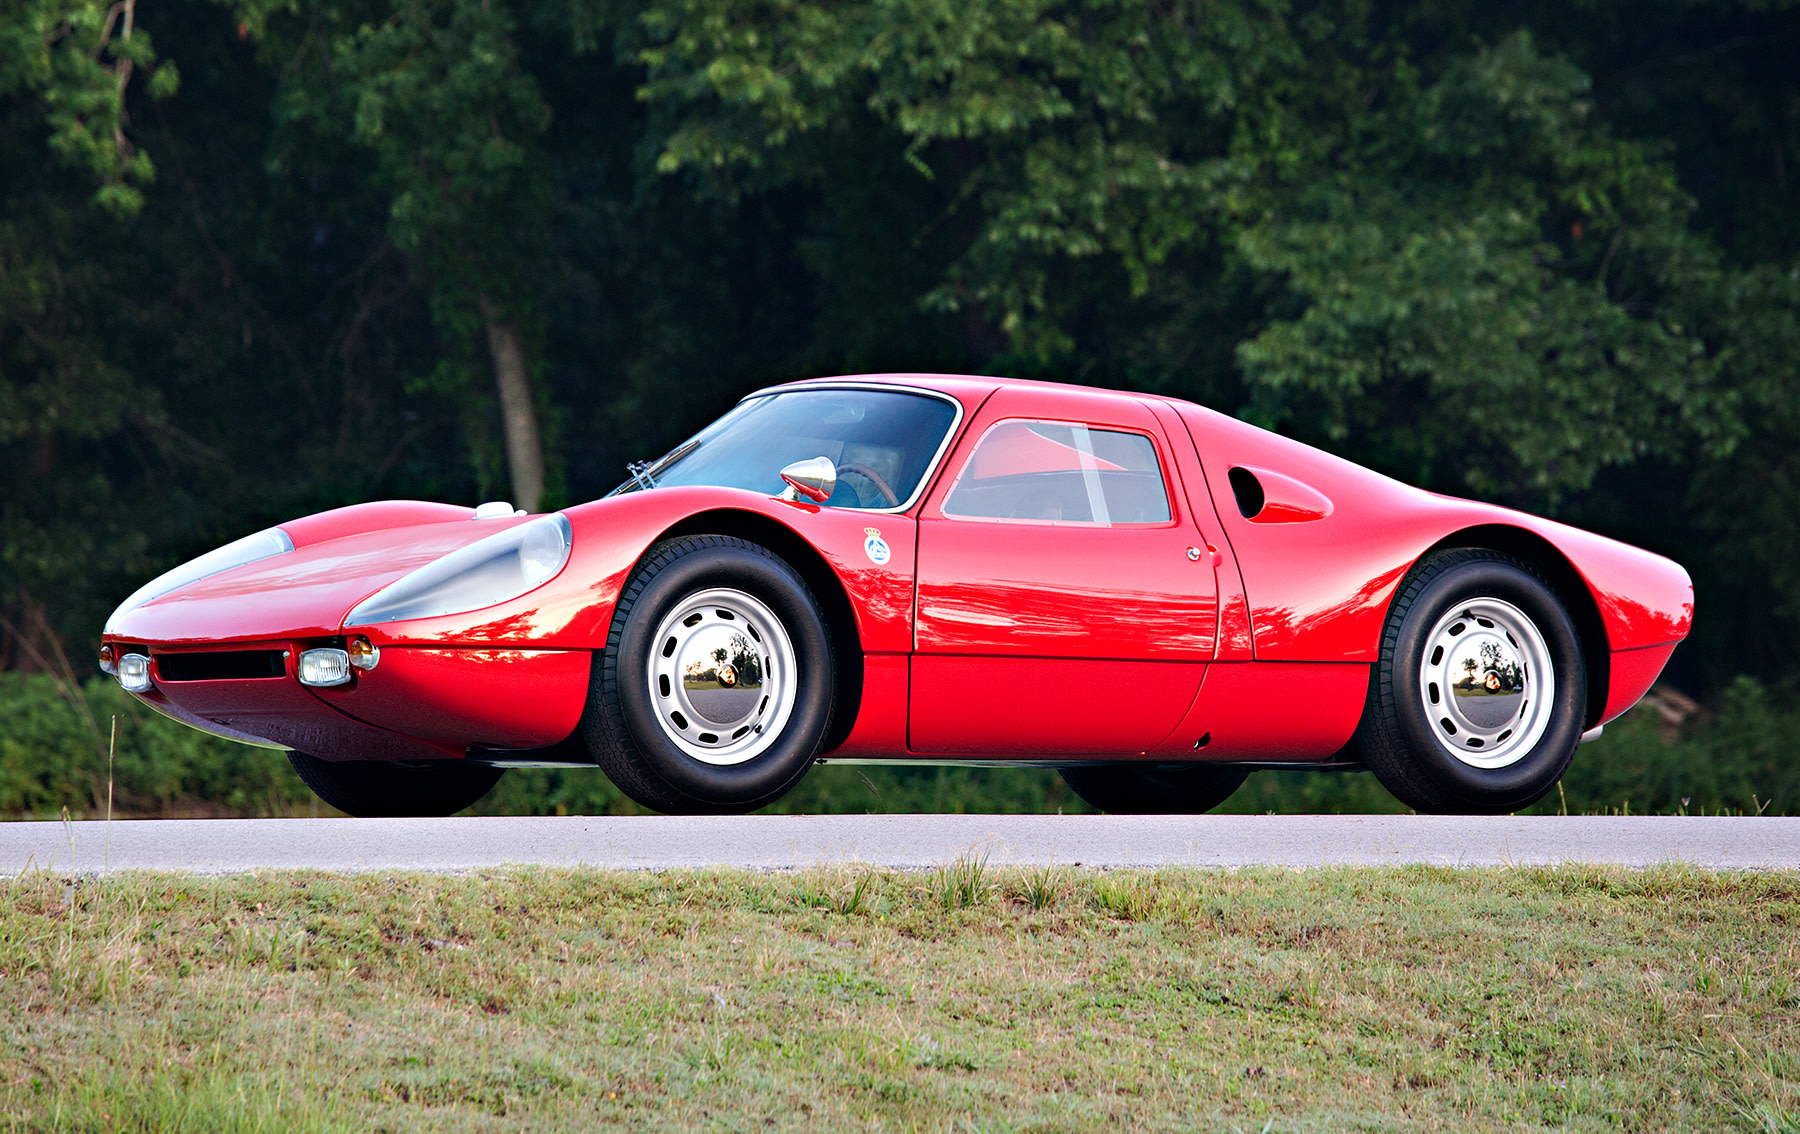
875,547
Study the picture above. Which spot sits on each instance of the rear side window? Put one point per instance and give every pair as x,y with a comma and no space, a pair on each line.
1060,472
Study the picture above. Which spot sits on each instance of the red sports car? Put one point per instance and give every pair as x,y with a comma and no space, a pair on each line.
1147,595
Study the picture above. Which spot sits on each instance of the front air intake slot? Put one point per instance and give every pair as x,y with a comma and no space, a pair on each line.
222,665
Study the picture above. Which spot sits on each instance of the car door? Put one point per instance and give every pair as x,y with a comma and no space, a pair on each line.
1067,604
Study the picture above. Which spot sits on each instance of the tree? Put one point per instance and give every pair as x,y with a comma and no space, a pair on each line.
71,176
1466,270
1541,253
75,59
434,92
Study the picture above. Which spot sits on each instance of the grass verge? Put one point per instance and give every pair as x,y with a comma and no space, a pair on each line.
972,998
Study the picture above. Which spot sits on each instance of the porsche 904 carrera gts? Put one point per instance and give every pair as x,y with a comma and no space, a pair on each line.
1150,596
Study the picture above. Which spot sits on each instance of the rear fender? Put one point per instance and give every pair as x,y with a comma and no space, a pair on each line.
1623,600
1543,557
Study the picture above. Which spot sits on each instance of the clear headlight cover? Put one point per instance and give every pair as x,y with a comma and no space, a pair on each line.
501,567
262,545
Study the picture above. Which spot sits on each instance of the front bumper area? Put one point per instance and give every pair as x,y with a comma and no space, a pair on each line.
415,704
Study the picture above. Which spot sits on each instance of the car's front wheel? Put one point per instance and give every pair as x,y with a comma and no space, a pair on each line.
1480,696
718,683
371,789
1154,789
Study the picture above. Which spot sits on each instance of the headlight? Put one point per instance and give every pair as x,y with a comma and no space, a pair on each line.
251,548
489,571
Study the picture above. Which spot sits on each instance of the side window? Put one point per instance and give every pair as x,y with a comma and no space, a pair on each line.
1060,472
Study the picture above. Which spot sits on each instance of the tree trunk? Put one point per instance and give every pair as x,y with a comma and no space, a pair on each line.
518,409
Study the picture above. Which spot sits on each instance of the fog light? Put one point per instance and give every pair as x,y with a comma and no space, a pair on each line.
363,653
107,664
134,673
324,667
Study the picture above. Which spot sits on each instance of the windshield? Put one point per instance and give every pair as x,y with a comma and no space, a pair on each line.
882,442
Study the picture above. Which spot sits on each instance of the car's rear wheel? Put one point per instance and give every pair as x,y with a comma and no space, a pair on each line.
371,789
718,683
1154,789
1480,696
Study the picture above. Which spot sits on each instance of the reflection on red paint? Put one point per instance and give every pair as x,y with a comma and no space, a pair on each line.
304,593
1632,672
282,711
1037,618
1336,629
498,698
374,516
1247,712
1044,707
880,731
519,626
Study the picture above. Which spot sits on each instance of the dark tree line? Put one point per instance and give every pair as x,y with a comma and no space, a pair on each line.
261,257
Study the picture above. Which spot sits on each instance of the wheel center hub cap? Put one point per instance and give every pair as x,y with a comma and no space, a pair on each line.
722,676
1486,683
721,673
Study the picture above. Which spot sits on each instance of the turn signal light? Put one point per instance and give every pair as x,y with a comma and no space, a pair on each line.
364,654
324,667
107,664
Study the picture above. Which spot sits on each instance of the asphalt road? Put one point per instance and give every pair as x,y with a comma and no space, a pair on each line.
780,842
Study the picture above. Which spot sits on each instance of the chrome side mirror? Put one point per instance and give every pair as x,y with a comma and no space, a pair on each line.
814,478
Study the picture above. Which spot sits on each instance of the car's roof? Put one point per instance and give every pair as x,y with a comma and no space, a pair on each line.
970,389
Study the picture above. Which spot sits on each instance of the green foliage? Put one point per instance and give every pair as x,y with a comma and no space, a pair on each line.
830,789
76,57
433,92
1470,277
1483,245
1542,253
53,755
1741,762
61,390
962,883
1071,132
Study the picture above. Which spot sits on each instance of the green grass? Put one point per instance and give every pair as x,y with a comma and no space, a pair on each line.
971,998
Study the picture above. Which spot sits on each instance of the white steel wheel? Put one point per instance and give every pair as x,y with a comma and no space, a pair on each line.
716,688
1486,683
722,676
1480,694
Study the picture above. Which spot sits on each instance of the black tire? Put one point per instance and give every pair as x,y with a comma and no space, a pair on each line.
371,789
624,726
1154,789
1421,760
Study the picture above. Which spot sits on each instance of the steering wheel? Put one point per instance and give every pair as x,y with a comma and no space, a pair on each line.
874,478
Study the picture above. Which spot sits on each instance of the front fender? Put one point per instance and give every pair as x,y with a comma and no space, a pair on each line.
610,536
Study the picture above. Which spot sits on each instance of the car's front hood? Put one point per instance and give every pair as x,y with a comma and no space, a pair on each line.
301,594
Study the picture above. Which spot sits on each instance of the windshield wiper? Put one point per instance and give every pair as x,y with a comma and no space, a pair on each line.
644,472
